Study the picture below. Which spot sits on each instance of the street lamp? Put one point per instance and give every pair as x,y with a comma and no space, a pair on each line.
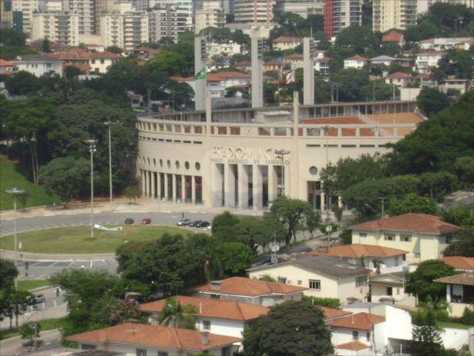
92,149
109,124
281,154
15,192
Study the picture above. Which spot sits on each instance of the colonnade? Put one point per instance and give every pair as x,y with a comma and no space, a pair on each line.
172,187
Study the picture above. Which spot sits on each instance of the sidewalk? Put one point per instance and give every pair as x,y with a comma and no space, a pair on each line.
121,205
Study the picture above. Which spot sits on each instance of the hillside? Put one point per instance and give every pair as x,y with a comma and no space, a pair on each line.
11,177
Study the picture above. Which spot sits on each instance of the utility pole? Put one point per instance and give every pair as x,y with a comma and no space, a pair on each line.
109,124
92,149
15,192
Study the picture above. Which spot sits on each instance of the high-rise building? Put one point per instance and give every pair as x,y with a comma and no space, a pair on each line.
210,14
339,14
59,27
26,8
394,14
304,8
85,9
253,11
163,23
6,14
125,30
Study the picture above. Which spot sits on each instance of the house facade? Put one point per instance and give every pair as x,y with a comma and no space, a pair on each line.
216,316
422,236
356,62
133,339
38,66
322,276
248,290
459,292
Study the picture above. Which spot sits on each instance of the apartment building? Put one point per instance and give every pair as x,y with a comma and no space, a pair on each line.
394,14
26,8
163,23
85,9
253,11
304,8
210,14
339,14
125,30
59,27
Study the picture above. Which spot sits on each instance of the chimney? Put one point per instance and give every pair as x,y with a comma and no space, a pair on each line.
205,338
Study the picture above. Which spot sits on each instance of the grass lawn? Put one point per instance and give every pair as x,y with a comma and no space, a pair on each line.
29,284
11,177
48,324
77,239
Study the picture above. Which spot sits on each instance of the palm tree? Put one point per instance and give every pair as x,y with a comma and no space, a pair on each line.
177,315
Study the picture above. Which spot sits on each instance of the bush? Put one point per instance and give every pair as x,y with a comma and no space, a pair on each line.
468,317
324,302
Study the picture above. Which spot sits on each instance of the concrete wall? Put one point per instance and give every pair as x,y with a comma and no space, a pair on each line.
455,338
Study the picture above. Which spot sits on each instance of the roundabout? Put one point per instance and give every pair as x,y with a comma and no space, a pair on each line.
77,240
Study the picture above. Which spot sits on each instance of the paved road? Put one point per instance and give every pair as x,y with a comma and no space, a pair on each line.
48,222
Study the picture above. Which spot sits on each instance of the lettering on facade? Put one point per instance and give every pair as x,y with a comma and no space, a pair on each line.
245,155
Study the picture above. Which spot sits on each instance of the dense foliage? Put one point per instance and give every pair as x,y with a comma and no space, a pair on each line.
290,329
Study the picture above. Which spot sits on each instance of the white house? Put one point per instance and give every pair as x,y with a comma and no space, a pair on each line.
356,62
382,60
284,43
371,328
459,292
87,61
218,82
426,60
376,258
390,288
323,276
423,236
217,316
223,49
447,43
132,339
250,291
399,79
38,66
321,65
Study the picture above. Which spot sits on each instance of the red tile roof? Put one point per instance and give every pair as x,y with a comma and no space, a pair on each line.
333,313
353,346
359,321
459,262
358,58
248,287
392,36
285,39
5,63
221,76
399,75
154,336
361,250
420,223
213,308
465,279
77,54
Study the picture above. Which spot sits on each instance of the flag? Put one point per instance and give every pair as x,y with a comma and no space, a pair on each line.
202,74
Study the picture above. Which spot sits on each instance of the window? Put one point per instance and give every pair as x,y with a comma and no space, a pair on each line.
405,238
389,291
361,281
206,325
362,235
315,284
389,237
141,352
281,280
355,335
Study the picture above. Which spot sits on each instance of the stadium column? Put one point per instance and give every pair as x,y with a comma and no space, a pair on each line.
257,187
229,184
243,181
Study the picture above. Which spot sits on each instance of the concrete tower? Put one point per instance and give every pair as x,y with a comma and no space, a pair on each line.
308,72
257,69
200,59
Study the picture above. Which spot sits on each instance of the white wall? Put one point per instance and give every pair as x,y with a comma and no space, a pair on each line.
455,338
224,327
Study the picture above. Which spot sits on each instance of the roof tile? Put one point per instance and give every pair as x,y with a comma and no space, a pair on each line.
359,321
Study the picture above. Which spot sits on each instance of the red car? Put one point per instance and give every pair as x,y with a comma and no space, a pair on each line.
146,221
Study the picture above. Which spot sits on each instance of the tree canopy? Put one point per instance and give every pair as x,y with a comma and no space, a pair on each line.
290,329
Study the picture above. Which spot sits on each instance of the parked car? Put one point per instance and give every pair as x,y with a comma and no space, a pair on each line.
183,222
204,225
146,221
128,221
195,223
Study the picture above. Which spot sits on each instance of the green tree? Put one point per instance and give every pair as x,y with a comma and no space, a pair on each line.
420,282
412,203
30,332
233,257
292,213
223,226
177,315
426,337
290,329
132,193
463,244
22,83
46,46
8,273
431,101
464,168
66,177
437,185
